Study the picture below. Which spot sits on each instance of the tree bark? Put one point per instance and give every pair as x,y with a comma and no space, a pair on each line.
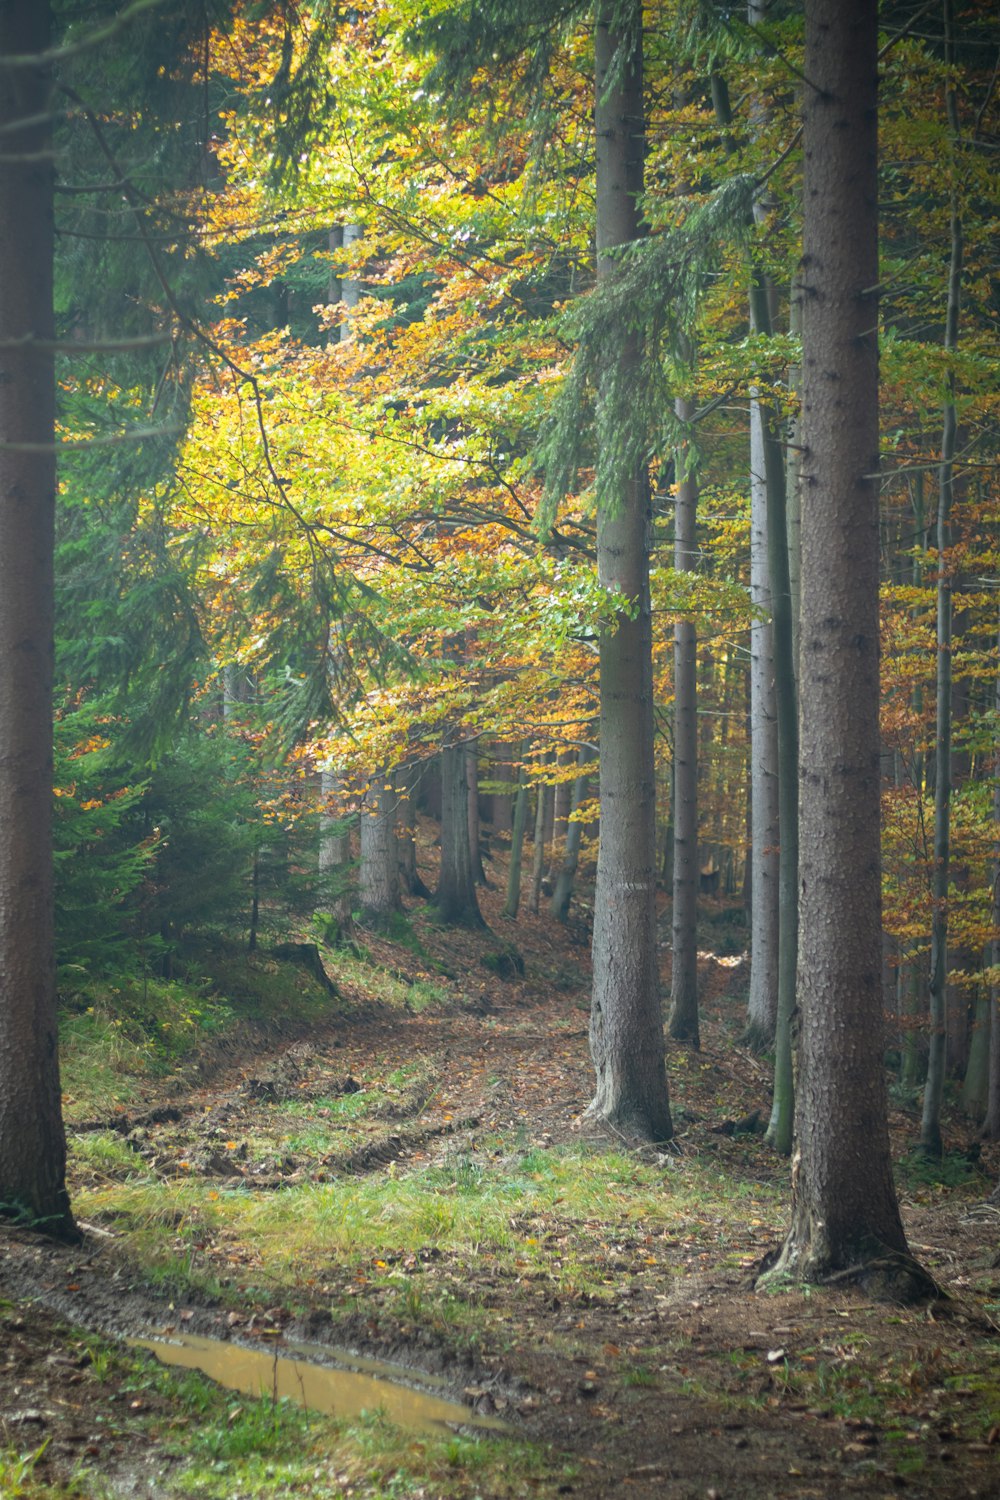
626,1030
32,1139
566,878
336,886
991,1125
930,1123
762,1005
683,1023
845,1218
378,872
456,894
544,799
513,901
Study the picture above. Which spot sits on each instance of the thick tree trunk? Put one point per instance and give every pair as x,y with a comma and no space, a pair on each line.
378,872
683,1024
456,892
626,1030
32,1141
845,1218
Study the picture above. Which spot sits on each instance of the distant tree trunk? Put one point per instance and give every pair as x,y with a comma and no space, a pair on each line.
683,1023
456,894
502,803
513,901
566,878
378,871
475,832
930,1124
408,782
845,1218
32,1140
349,286
336,891
626,1029
538,851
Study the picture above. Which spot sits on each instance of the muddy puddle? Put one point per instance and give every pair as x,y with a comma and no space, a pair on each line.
369,1385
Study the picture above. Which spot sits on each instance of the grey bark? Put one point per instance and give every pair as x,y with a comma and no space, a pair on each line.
762,1005
456,893
378,871
408,780
626,1030
513,901
32,1139
930,1122
335,868
683,1022
566,878
475,832
991,1125
538,852
845,1218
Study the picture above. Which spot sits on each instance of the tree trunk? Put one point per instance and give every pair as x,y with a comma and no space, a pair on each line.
538,851
378,872
683,1024
930,1123
991,1125
336,888
780,1126
626,1030
32,1140
456,893
475,832
513,901
845,1218
408,779
762,1009
566,878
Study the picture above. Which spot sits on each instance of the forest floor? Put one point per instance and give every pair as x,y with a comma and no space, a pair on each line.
413,1179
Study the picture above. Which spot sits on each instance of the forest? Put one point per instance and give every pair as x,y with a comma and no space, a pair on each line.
499,748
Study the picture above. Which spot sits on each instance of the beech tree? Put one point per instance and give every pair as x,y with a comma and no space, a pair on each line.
32,1140
845,1217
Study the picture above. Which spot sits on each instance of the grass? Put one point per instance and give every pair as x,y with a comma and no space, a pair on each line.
554,1218
354,968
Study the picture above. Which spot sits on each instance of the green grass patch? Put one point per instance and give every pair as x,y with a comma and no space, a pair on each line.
352,967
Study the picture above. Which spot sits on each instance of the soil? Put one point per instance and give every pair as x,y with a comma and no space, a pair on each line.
735,1407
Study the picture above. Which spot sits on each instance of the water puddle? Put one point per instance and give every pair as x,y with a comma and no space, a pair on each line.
369,1385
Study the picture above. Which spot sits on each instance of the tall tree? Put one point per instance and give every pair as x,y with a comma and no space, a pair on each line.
456,893
32,1140
683,1022
845,1218
930,1123
626,1029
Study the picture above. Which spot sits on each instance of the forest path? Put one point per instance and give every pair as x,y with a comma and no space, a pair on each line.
629,1344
